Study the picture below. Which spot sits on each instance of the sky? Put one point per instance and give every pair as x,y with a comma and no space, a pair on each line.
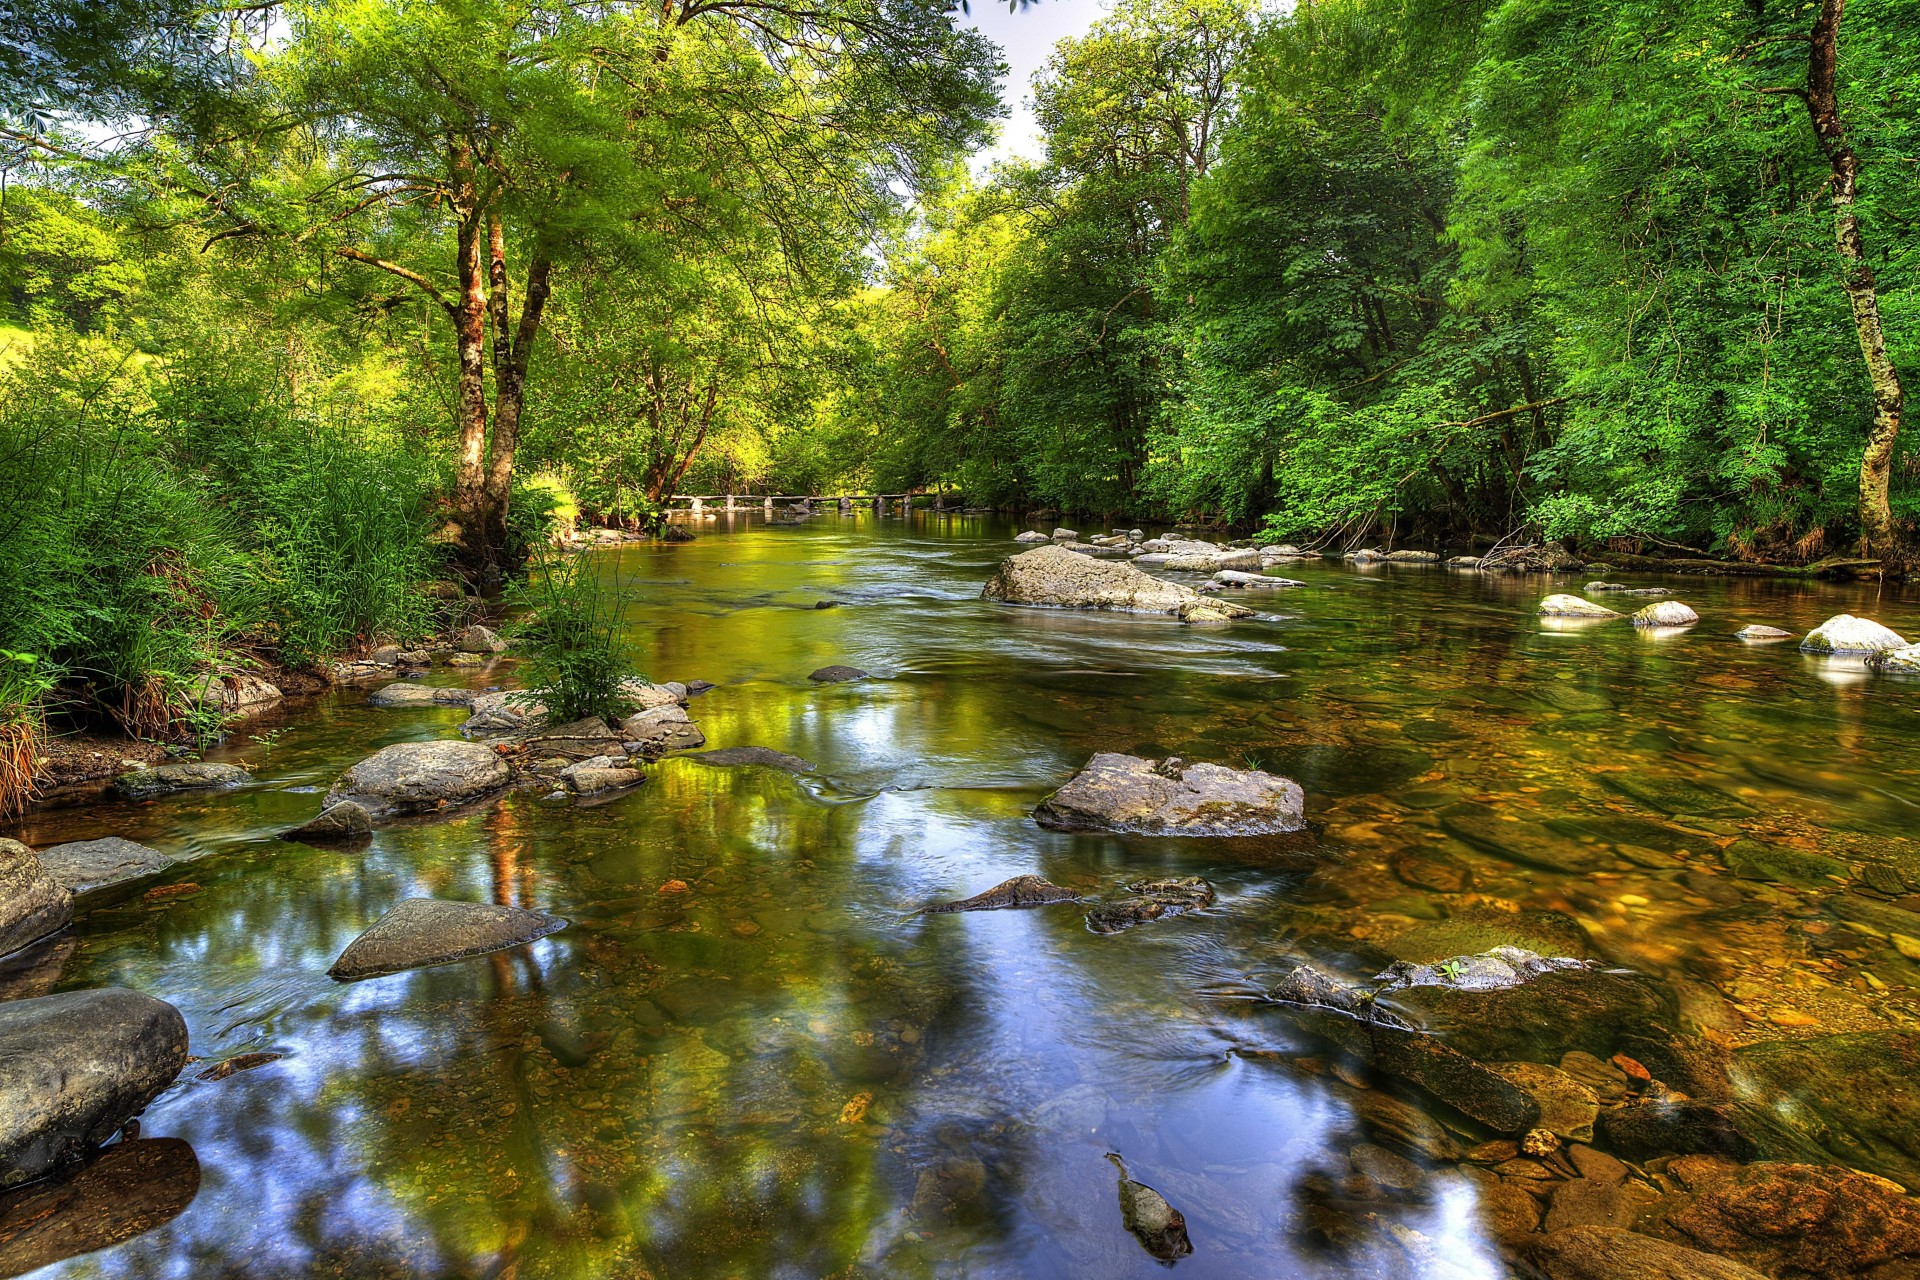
1025,40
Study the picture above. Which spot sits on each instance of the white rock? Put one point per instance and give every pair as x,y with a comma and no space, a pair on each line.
1665,613
1844,633
1564,606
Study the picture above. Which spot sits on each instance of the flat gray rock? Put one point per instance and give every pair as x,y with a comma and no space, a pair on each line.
165,779
335,824
402,693
1757,632
1056,577
661,729
1171,797
1565,606
1236,578
419,777
766,756
428,931
74,1068
32,903
94,864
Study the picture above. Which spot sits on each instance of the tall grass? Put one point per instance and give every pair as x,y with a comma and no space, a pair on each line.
576,658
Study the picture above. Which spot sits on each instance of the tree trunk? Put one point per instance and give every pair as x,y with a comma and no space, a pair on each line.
512,348
1876,464
469,323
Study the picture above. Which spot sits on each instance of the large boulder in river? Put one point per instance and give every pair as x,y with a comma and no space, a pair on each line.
1056,577
340,823
1805,1220
1613,1253
419,777
428,931
1565,606
95,864
1844,633
404,694
1848,1098
1171,797
32,903
1665,613
74,1068
165,779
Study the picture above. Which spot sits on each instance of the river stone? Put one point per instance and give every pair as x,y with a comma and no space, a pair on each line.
1151,900
132,1188
1212,561
1848,1098
1664,1123
1463,562
1676,796
1805,1220
659,730
165,779
1032,535
1581,1203
1904,661
1621,588
33,904
506,712
1021,891
643,695
1665,613
74,1068
587,780
237,693
1160,1228
428,931
1414,557
1752,860
1235,578
1349,1019
1433,870
766,756
1567,1107
1550,558
1170,797
403,694
1757,632
335,824
1065,535
478,639
1844,633
1481,928
1565,606
580,739
1509,1003
1609,1253
1056,577
418,777
836,675
94,864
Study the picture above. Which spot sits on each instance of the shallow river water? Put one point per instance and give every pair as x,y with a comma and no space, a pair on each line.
780,1072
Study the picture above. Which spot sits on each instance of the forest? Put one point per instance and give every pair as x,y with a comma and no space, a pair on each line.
308,304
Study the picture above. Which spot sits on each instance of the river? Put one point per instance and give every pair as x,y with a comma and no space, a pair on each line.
781,1072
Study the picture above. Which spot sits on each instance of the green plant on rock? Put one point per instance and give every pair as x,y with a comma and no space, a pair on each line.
577,659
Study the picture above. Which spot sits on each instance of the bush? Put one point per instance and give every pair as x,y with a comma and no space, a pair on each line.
577,660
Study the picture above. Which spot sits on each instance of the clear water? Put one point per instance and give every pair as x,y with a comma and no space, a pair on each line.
780,1072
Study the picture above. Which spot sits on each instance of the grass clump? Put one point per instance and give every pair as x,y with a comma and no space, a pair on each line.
576,657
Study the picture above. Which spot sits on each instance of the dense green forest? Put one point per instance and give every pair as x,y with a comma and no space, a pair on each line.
308,304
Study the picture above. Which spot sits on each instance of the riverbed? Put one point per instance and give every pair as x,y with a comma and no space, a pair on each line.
747,1057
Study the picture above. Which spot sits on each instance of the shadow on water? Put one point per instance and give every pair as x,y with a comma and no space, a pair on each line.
779,1072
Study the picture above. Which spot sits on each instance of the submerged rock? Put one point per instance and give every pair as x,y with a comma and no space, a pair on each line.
165,779
429,931
1151,900
33,905
836,675
1160,1228
766,756
1846,1098
1805,1220
1565,606
1021,891
403,694
1056,577
1754,631
95,864
338,823
1235,578
1609,1253
1904,661
130,1189
1171,797
1667,613
1665,1123
420,777
74,1068
1844,633
591,778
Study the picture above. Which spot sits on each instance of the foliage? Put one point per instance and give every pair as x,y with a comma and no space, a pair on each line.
575,657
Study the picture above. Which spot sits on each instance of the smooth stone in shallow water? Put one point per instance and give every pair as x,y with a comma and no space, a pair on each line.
836,675
1848,1098
95,864
659,730
1805,1220
505,712
74,1068
1021,891
1565,606
1609,1253
1236,578
335,824
428,931
420,777
403,694
1054,576
1480,928
1665,613
165,779
1752,860
1151,900
1663,1123
1032,535
1844,633
130,1189
33,905
1621,588
1757,632
1567,1107
1904,661
764,756
1160,1228
1170,797
1676,796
